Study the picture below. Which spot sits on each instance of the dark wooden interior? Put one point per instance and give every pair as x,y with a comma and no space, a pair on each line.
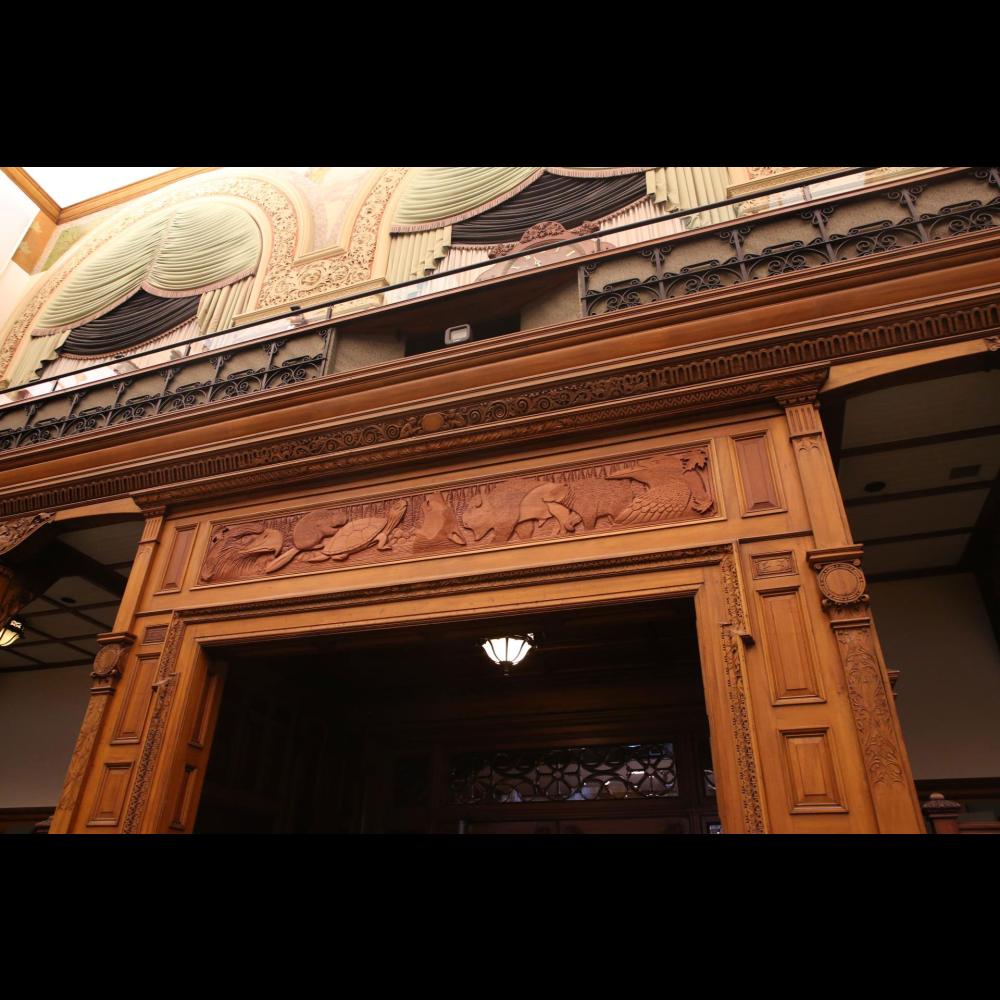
409,702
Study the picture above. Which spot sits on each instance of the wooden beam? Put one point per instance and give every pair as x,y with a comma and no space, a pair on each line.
920,442
935,491
71,562
129,191
917,536
34,191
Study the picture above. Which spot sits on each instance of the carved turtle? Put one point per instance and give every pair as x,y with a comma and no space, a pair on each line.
359,534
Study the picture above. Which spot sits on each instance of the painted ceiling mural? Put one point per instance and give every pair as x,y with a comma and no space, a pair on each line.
334,229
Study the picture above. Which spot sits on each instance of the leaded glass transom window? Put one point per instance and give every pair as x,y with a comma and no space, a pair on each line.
612,771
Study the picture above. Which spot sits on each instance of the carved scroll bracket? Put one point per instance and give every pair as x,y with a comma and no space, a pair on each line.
109,660
13,532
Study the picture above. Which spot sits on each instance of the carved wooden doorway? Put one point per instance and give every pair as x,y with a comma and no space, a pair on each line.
602,729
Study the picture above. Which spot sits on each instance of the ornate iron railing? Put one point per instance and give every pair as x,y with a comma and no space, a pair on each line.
797,240
856,224
208,377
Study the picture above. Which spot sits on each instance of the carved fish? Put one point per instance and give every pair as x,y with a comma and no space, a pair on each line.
439,523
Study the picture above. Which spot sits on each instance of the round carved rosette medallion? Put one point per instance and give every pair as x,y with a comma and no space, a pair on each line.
842,583
106,663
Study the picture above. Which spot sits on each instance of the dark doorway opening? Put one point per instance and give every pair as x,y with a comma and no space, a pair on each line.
601,729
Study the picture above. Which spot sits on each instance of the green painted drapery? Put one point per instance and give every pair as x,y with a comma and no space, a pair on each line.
674,188
412,255
439,196
184,251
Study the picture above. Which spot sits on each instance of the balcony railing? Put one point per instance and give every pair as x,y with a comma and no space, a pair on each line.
859,225
300,346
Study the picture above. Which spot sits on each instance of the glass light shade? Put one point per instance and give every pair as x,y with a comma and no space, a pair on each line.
11,632
509,651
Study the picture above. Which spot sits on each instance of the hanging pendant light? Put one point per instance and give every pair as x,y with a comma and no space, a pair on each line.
10,633
509,651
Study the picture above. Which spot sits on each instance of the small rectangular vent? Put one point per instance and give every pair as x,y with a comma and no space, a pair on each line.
964,471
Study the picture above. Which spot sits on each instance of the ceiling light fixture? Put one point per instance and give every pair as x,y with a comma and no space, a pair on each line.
11,632
509,651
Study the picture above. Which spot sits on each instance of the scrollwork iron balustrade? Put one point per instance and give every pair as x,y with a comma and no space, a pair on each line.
228,373
828,246
586,774
947,205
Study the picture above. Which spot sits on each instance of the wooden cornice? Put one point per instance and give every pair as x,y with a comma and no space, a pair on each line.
98,203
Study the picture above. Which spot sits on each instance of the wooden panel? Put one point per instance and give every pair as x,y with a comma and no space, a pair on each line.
811,772
790,654
185,799
136,697
205,711
110,797
180,549
773,564
154,635
757,481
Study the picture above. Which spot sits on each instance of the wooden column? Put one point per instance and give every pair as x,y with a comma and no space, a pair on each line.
837,561
109,666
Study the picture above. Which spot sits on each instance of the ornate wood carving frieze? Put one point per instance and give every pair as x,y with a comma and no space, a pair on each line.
658,488
501,416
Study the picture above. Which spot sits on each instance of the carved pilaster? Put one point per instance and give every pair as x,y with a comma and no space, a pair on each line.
108,665
816,473
843,587
151,531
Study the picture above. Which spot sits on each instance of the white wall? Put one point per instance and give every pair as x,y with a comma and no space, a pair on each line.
936,632
17,211
40,715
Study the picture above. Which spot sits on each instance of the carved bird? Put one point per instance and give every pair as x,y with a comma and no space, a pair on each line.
668,494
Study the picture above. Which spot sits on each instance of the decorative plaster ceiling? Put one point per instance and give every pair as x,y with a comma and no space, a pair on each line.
69,185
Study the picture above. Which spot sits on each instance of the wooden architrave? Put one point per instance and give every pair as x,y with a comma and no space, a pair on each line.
709,574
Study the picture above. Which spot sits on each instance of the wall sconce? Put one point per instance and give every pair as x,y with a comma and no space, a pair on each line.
509,651
11,632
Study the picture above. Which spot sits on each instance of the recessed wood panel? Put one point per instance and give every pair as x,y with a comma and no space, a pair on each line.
180,549
789,651
154,635
773,564
757,480
136,696
203,713
185,799
811,772
110,797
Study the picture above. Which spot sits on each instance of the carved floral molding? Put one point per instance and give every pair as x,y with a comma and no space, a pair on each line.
657,488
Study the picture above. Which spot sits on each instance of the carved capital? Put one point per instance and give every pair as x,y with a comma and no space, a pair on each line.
109,660
841,580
